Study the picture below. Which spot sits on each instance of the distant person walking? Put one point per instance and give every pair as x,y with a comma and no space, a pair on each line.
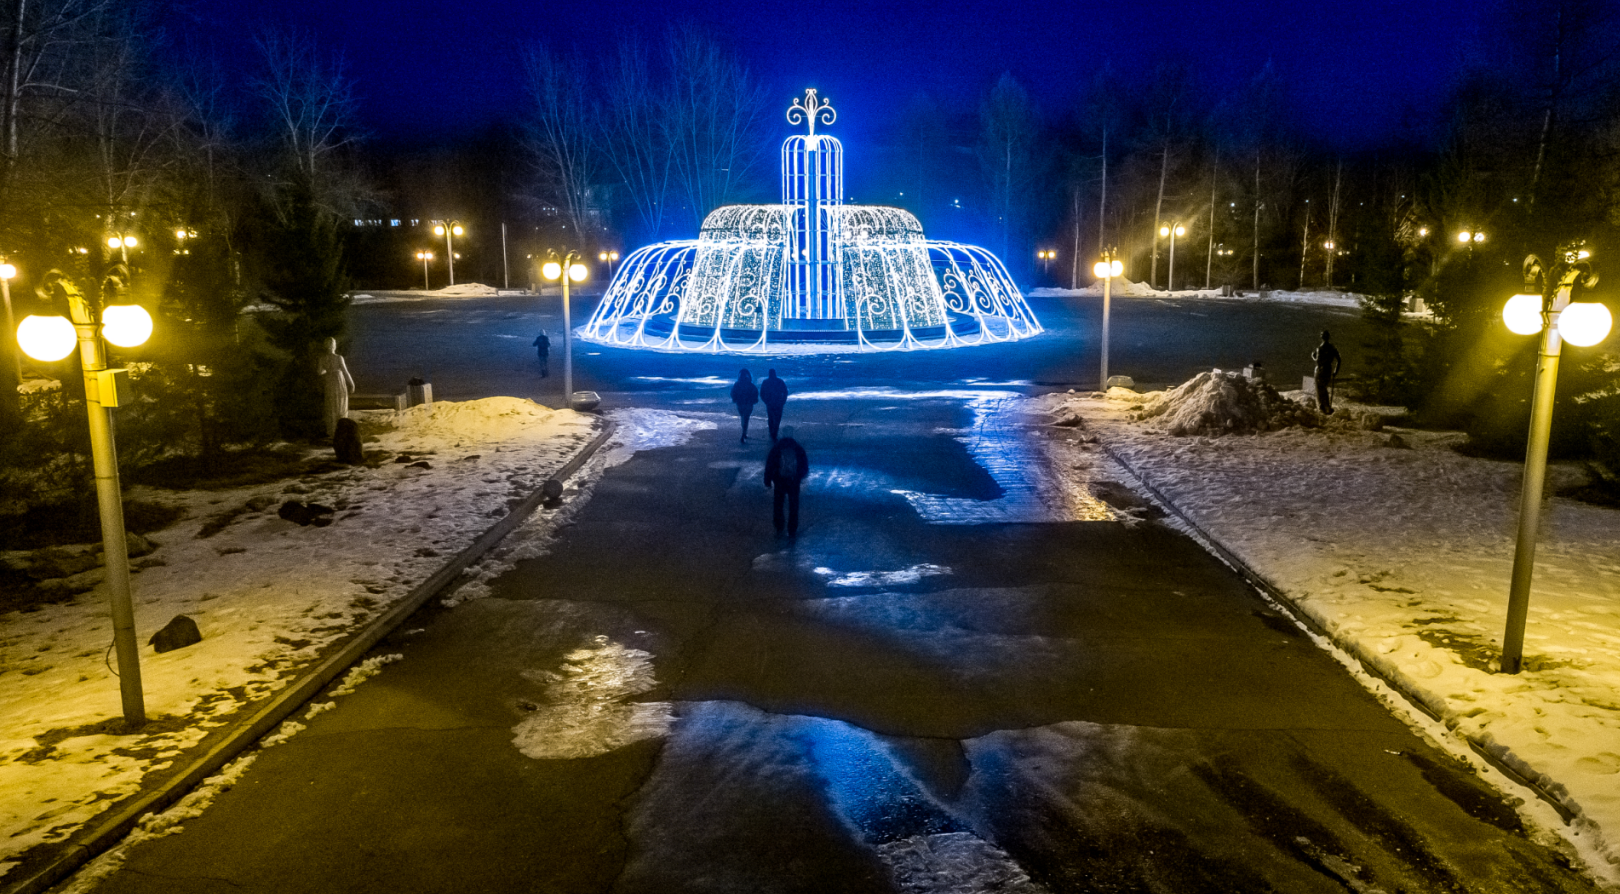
542,347
1327,369
785,468
774,392
744,394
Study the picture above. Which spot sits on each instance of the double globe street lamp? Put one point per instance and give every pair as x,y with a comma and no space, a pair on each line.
52,338
554,271
1106,269
1172,231
1552,312
424,257
448,229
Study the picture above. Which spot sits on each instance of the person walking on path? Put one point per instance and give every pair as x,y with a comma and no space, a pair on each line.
744,394
774,392
785,468
1327,369
542,347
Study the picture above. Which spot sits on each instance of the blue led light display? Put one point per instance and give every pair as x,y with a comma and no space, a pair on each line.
810,274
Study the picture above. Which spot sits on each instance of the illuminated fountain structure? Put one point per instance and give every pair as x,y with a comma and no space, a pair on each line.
810,274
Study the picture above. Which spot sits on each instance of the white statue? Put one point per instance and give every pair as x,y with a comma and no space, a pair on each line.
338,385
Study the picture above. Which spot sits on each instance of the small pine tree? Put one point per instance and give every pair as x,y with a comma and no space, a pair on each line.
301,263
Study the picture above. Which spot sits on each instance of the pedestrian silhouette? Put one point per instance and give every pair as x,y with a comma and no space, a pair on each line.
785,469
774,393
1327,369
744,394
542,347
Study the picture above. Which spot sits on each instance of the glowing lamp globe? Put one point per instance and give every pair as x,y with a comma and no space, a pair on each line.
1105,269
46,338
126,325
577,273
552,270
7,271
1523,314
1584,324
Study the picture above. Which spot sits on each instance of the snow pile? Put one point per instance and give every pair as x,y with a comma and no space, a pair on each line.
268,595
1223,403
490,419
1229,403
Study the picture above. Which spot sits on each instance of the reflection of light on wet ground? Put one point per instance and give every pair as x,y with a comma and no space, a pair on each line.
587,711
644,429
926,848
700,380
1000,444
882,578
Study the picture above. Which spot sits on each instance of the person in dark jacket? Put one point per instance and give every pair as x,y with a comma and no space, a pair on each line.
542,347
744,394
1327,369
785,469
774,393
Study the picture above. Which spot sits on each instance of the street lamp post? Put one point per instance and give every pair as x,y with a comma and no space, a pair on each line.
447,229
1172,231
7,272
577,273
53,338
1550,312
1046,256
123,244
609,258
1106,270
424,257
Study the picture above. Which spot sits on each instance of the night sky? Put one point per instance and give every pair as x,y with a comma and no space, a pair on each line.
427,69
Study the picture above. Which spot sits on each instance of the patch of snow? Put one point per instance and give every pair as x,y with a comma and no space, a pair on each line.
267,594
1402,549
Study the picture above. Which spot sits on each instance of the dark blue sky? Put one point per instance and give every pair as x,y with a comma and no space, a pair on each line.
428,68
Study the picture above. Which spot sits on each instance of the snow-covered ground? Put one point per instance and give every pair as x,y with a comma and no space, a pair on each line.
267,594
1401,548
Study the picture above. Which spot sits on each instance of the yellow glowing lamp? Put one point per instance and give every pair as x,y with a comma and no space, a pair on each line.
1164,231
8,271
1584,324
1105,269
126,325
1523,314
577,273
552,270
46,338
1464,236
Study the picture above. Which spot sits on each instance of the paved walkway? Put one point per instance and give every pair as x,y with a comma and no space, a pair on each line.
673,700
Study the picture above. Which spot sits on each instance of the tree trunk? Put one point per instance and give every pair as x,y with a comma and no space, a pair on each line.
1102,205
1209,258
1257,205
1158,208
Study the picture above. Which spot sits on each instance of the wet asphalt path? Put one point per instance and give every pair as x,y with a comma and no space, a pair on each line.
673,700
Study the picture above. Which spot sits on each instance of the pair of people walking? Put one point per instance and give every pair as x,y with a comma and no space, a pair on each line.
787,465
745,394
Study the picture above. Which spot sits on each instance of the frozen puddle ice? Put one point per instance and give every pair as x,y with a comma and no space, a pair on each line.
910,575
587,709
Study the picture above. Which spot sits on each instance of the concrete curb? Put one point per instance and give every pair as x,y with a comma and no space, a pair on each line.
112,829
1350,647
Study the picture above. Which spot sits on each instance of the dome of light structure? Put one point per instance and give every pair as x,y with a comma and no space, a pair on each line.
810,274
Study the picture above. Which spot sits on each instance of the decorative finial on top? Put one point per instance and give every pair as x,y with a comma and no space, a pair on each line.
810,109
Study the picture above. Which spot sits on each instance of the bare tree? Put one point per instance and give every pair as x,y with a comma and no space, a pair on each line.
634,138
561,134
1008,127
312,110
714,122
